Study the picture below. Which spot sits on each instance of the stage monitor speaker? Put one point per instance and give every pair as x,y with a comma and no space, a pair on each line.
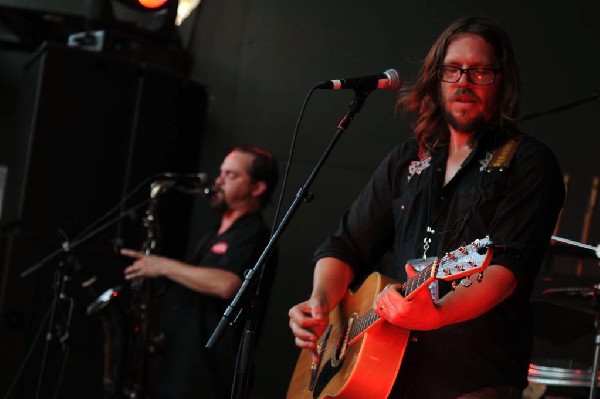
92,127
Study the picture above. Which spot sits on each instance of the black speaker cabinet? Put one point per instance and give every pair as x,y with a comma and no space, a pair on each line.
93,129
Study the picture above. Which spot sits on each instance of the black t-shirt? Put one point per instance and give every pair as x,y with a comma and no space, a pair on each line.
188,368
517,207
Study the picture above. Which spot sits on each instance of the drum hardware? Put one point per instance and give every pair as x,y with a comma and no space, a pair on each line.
566,247
587,221
595,365
556,376
582,299
562,246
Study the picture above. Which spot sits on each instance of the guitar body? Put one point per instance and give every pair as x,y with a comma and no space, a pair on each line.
363,367
360,353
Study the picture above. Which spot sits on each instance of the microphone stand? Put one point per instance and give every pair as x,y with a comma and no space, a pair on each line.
67,246
53,329
61,279
240,384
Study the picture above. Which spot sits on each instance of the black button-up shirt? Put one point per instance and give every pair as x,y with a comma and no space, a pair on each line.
516,206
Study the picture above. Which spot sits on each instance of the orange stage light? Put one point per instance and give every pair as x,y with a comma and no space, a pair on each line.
152,3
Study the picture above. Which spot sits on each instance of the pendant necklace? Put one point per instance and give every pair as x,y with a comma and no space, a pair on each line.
429,231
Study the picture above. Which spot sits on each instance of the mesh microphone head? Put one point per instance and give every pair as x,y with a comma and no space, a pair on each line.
395,79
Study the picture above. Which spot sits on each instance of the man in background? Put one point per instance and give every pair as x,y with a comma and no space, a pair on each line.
200,288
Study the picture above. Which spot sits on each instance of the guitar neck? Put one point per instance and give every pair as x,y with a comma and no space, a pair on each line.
461,262
419,280
408,289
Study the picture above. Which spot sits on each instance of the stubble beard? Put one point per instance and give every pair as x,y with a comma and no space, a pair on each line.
470,125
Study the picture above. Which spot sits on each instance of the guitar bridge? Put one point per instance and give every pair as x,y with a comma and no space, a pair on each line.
343,343
314,366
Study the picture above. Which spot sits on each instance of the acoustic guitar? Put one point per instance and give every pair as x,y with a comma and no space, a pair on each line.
360,353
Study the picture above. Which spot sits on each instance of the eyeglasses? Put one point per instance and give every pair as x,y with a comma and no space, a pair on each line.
477,76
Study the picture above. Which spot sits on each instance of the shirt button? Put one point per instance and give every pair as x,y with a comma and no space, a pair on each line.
414,339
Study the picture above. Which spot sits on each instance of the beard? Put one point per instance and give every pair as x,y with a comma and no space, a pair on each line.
470,125
474,124
218,203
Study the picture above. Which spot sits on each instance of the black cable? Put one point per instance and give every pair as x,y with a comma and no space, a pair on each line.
239,389
290,156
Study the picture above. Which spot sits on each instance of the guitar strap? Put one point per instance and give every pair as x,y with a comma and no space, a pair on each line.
503,155
500,161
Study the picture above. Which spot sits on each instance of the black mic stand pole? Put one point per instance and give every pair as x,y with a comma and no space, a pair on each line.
67,246
61,278
239,388
53,329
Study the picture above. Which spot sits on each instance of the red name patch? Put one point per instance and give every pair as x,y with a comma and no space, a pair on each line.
219,248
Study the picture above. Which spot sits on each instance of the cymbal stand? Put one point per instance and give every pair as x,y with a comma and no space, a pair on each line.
587,219
596,364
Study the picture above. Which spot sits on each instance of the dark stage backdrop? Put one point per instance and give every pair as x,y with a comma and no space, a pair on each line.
258,59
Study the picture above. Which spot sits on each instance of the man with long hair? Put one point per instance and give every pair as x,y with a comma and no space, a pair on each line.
468,174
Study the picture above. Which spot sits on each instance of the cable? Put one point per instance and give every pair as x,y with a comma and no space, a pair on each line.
290,156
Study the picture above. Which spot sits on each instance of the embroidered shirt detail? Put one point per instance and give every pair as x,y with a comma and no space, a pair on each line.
219,248
418,166
485,161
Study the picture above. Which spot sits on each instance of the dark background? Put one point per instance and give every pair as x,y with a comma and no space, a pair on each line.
102,123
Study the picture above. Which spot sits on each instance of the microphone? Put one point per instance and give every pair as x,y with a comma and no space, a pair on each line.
389,80
189,183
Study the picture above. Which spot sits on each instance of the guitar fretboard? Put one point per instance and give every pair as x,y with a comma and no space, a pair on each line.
413,284
452,265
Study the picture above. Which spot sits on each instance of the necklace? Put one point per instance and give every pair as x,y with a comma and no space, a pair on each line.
427,240
429,230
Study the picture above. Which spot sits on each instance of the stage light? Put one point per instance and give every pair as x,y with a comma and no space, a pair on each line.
148,5
152,3
154,16
183,8
138,29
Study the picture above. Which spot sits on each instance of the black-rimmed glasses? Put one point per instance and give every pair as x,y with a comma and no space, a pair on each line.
477,76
